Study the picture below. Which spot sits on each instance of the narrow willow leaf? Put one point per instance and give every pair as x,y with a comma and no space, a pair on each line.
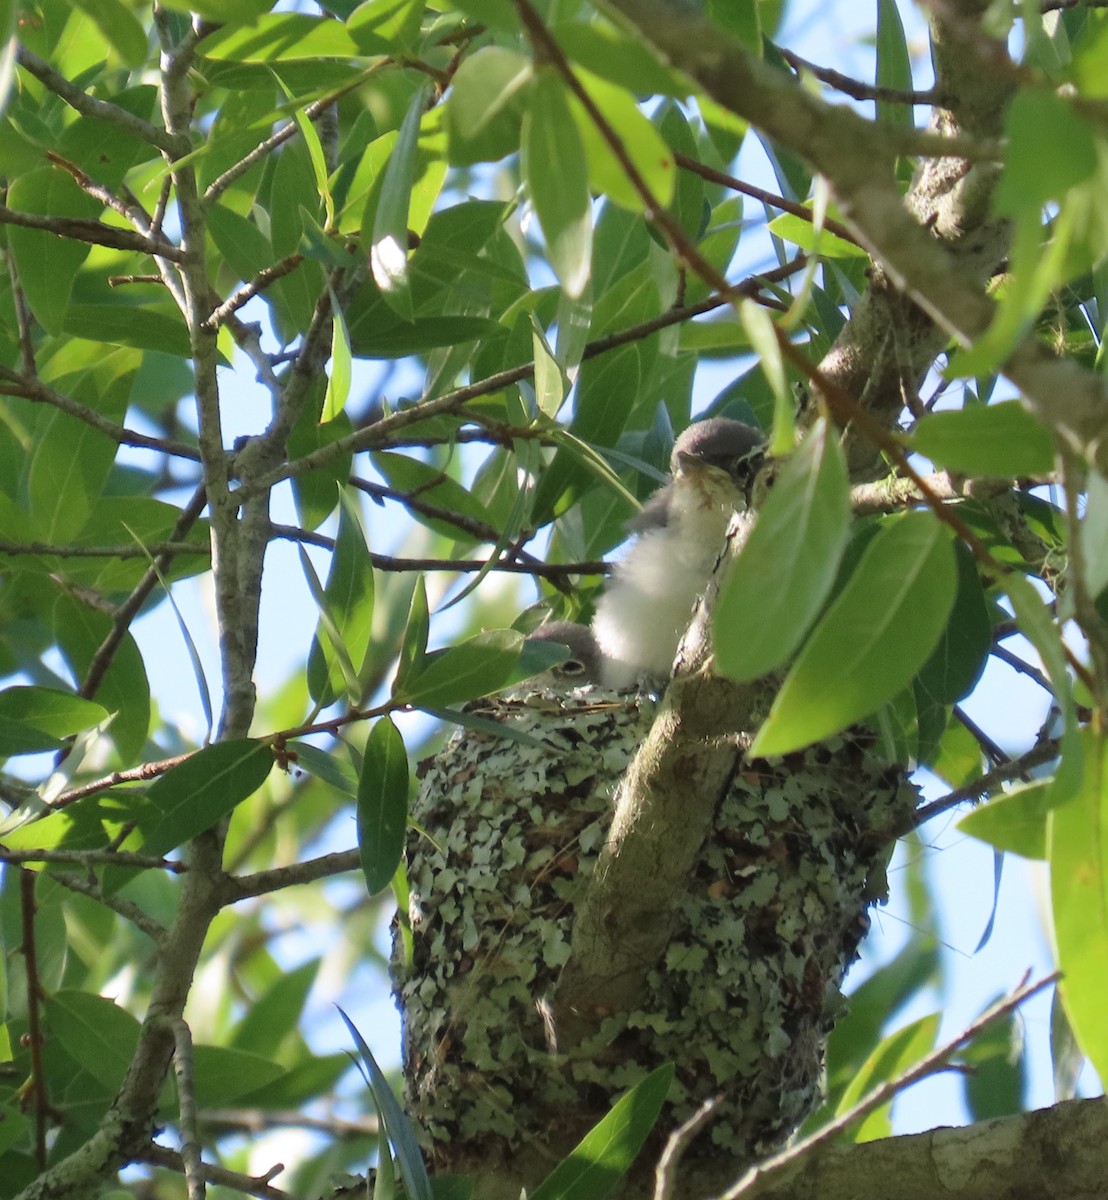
1077,841
413,649
605,1154
202,790
345,628
784,573
397,1125
382,804
550,384
388,256
1094,534
481,665
338,381
878,633
195,661
556,176
763,340
890,1058
986,439
894,65
281,37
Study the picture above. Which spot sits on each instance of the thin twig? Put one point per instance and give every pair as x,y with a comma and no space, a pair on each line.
769,198
140,774
93,233
129,609
87,858
250,1185
261,883
259,1120
39,1102
14,384
251,289
90,106
127,909
754,1181
63,550
665,1173
855,88
184,1070
1040,754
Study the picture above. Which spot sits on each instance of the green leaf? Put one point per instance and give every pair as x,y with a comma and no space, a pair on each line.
317,492
762,334
201,791
281,37
338,382
275,1014
740,19
1094,534
477,667
224,1075
128,325
1049,148
386,26
871,642
121,28
605,1154
54,712
47,264
484,111
890,1058
17,738
803,233
94,1032
551,385
389,253
382,805
959,658
643,144
124,688
894,65
986,439
409,476
1015,822
413,649
556,176
375,340
781,577
1077,840
345,629
399,1128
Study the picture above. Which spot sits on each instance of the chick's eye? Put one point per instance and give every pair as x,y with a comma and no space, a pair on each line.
571,666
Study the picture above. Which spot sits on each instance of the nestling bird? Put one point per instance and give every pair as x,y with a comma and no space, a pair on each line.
647,604
583,667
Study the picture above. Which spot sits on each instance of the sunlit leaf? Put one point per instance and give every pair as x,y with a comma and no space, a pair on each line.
776,585
1076,841
556,175
605,1154
878,633
1001,439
